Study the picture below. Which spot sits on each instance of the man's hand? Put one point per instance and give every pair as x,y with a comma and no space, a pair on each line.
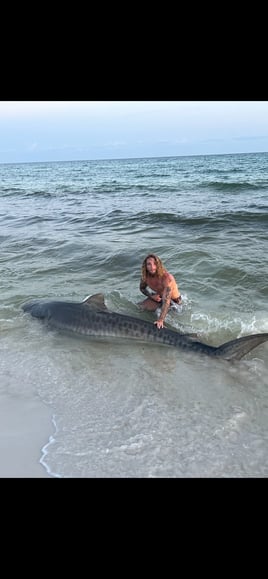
156,298
159,323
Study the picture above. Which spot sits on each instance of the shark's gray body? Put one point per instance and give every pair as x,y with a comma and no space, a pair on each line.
92,318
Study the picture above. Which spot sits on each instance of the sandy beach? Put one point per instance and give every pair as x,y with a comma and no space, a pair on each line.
25,428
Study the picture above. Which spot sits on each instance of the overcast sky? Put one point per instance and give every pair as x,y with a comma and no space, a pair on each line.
80,130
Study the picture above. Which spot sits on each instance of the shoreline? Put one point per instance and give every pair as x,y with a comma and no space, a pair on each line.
25,429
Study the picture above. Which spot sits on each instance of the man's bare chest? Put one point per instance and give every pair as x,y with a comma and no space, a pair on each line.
155,283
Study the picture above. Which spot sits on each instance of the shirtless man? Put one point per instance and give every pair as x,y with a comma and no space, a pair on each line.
159,286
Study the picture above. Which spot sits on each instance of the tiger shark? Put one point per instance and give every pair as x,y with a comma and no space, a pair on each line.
92,318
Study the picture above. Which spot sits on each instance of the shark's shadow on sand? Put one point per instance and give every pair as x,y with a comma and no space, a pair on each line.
92,318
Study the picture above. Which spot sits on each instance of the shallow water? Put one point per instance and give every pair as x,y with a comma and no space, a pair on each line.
125,409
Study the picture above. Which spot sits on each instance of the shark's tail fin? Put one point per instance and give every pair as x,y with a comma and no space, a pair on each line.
236,349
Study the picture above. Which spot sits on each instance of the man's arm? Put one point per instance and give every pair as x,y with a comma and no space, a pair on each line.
143,288
149,293
166,298
146,291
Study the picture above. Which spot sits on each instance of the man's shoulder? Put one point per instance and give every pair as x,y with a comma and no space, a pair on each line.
168,277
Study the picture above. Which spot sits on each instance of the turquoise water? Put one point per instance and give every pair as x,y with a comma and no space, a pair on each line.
70,229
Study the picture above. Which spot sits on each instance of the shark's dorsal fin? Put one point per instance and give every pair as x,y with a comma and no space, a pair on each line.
96,301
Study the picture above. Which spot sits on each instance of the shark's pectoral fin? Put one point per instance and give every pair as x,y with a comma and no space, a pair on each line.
96,301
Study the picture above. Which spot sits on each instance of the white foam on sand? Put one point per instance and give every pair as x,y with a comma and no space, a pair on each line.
25,428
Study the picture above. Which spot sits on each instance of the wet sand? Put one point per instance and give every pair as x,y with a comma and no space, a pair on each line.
25,428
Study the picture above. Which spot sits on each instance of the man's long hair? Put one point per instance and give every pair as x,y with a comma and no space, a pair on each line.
160,270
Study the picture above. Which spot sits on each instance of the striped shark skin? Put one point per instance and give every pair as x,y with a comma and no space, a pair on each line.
92,318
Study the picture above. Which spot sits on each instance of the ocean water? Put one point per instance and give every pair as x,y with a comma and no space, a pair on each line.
70,229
